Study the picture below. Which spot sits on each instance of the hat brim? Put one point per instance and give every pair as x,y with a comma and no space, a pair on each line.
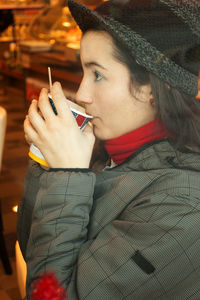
84,17
145,54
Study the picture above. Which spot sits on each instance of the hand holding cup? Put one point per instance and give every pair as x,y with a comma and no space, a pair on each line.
58,137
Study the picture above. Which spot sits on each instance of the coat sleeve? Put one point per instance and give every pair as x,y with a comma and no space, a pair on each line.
26,205
149,252
58,225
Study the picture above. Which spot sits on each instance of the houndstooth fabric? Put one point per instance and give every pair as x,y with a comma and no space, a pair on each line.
131,232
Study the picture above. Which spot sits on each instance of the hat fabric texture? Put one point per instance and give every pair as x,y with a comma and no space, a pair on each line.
162,35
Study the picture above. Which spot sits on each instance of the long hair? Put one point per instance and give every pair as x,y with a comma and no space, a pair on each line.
180,113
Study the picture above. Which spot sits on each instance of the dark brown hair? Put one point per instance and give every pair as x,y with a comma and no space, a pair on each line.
179,112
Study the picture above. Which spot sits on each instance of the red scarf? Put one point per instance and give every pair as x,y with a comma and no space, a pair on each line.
121,148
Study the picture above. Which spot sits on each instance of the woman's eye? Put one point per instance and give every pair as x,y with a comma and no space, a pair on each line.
98,76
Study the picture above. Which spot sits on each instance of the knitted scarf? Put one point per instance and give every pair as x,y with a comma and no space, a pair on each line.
119,149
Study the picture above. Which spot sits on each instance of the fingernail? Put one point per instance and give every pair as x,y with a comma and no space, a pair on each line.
44,90
57,84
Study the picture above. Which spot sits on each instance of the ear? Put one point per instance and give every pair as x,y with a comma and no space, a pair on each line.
145,93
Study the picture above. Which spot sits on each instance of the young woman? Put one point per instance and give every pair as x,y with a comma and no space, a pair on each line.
132,230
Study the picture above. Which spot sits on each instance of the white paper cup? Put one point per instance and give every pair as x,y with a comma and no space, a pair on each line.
81,118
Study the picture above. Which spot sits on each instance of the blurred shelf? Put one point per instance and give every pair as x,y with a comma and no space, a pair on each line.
6,39
20,7
69,77
11,72
57,73
61,69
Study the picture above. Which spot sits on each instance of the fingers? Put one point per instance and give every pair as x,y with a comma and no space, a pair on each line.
30,133
28,139
60,102
35,120
61,105
45,106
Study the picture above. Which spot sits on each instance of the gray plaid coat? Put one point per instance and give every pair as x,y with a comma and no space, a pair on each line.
132,232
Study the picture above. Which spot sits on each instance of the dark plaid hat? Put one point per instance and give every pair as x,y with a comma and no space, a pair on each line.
162,35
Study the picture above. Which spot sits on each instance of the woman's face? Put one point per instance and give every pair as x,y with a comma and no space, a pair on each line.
105,90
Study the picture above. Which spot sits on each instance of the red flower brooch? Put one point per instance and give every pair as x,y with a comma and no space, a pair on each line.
47,287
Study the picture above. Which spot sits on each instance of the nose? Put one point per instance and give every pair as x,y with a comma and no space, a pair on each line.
83,95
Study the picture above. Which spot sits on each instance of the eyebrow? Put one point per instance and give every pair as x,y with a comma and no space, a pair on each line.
93,63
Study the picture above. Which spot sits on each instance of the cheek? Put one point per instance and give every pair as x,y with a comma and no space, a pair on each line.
104,100
111,100
117,101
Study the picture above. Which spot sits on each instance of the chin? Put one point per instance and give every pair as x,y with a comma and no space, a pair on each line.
101,134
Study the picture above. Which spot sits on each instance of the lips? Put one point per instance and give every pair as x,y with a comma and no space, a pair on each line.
88,113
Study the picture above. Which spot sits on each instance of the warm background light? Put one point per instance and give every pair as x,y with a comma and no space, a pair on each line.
15,208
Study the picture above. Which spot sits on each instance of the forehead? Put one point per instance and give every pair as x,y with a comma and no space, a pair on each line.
96,44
